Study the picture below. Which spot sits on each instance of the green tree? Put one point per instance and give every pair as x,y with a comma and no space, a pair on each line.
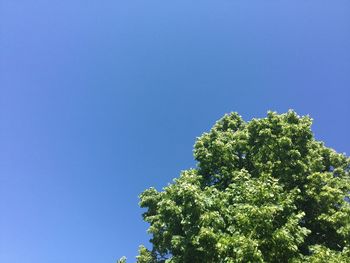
263,191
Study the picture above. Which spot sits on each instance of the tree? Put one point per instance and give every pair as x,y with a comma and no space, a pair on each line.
263,191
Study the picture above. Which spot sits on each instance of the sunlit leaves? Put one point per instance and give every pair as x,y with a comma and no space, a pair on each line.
263,191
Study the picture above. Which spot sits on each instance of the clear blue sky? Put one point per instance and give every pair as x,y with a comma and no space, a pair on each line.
100,100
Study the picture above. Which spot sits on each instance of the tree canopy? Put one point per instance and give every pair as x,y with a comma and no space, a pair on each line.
263,191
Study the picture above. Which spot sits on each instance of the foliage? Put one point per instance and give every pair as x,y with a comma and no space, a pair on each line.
122,260
263,191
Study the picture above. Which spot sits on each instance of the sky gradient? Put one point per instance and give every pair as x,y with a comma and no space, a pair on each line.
100,100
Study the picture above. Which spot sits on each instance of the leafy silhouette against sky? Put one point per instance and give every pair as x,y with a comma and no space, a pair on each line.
263,191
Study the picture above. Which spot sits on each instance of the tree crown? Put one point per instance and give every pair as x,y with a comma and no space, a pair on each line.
263,191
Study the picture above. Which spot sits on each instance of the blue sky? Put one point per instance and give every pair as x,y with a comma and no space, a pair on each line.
100,100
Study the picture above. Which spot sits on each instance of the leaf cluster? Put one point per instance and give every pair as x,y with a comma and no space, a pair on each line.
263,191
